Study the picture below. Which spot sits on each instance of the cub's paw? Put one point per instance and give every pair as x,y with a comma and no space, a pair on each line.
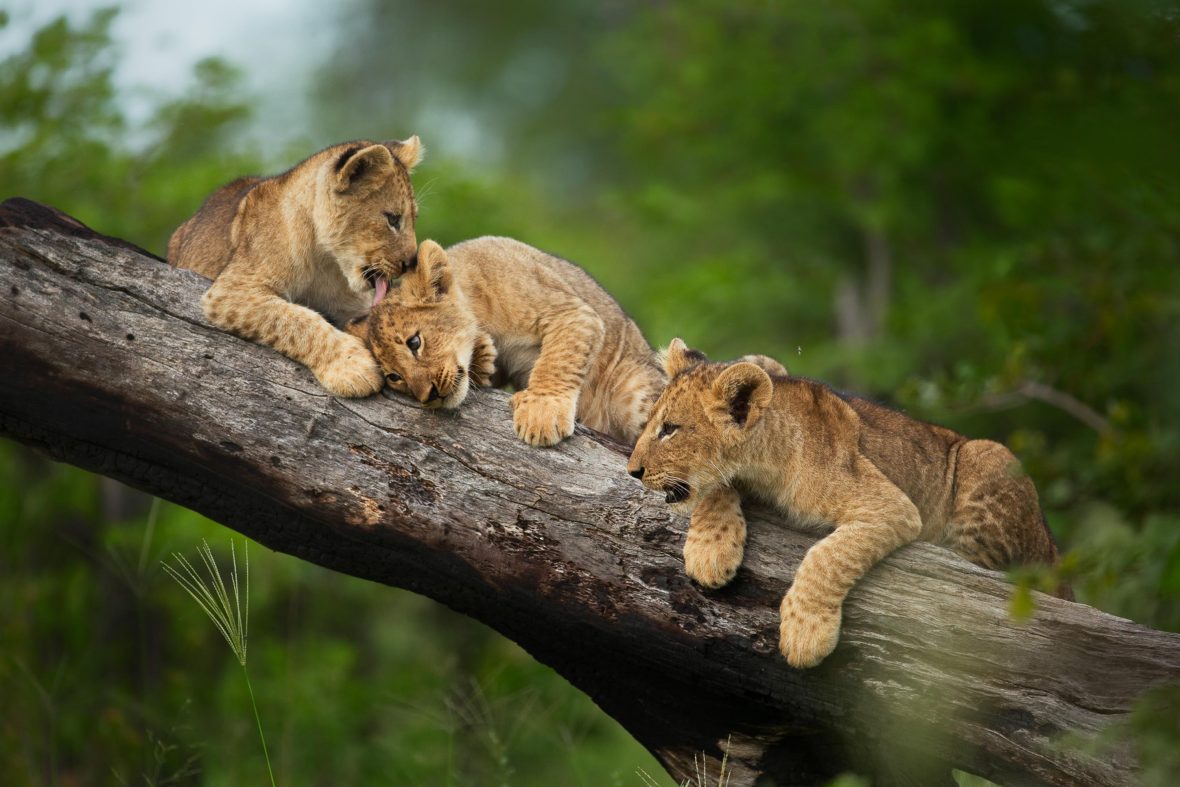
483,361
807,636
542,420
712,557
352,371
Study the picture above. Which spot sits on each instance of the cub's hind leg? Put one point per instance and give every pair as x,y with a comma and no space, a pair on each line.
623,402
996,519
716,540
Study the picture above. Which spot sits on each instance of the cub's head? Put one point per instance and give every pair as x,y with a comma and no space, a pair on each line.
692,443
365,210
425,338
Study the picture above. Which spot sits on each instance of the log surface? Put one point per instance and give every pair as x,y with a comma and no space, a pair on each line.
106,362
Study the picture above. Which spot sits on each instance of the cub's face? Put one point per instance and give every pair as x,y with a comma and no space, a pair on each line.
692,442
425,338
367,212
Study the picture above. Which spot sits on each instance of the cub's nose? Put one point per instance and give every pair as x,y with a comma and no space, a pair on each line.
636,473
433,395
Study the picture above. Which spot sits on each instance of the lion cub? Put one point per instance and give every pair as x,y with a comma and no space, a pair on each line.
316,241
497,311
881,478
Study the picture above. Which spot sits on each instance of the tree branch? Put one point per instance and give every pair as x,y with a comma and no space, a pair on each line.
1031,390
107,363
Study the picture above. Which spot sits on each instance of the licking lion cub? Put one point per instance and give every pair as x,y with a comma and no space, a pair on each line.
319,239
881,478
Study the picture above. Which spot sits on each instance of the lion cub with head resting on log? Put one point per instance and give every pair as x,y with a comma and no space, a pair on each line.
497,311
881,478
320,240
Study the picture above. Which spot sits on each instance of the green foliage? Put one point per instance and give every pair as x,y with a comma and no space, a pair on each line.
398,690
65,141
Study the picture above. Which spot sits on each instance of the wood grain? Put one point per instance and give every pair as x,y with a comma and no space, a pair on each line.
107,363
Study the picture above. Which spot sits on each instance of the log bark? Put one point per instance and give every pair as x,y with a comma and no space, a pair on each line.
107,363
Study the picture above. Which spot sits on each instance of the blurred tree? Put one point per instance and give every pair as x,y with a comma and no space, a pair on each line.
490,84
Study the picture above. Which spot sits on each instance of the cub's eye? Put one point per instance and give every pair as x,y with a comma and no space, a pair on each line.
395,220
667,430
414,342
393,377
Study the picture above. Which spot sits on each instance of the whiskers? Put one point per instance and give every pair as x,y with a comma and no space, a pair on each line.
721,475
423,193
455,382
451,378
673,480
683,490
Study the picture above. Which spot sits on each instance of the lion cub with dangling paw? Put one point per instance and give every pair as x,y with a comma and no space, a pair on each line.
320,240
880,477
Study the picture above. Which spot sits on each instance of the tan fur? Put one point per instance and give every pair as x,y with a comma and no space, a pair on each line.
553,333
287,251
880,478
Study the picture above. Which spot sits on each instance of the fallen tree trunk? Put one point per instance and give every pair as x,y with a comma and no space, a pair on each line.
107,363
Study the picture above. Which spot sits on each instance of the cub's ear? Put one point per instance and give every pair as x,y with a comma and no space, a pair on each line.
358,167
359,327
432,279
408,151
768,364
742,392
678,358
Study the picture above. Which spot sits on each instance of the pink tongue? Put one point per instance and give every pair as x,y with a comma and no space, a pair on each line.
382,288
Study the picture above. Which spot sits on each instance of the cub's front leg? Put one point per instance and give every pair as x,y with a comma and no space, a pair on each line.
716,540
878,520
340,361
543,414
